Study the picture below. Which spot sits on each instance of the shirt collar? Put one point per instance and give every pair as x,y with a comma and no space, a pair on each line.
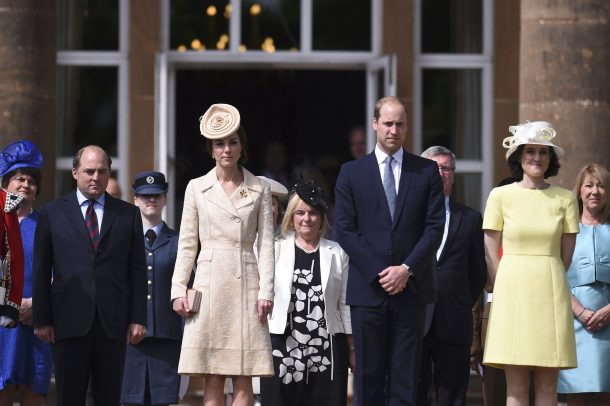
381,156
156,229
82,198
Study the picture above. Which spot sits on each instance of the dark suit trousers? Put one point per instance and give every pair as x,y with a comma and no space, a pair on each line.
448,365
388,341
95,355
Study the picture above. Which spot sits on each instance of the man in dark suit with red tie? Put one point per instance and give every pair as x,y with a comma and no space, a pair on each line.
461,273
89,283
389,219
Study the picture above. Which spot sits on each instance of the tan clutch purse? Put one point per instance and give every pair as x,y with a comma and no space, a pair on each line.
193,297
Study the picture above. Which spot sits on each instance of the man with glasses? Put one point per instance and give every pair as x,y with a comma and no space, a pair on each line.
461,273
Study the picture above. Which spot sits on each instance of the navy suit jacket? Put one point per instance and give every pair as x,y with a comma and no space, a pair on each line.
71,280
462,273
163,321
365,230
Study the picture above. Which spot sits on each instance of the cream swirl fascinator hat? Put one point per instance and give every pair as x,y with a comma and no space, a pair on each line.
536,132
220,121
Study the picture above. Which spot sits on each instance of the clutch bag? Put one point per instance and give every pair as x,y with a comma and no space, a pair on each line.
193,297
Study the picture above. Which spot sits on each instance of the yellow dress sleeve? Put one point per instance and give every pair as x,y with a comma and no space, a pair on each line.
570,222
494,217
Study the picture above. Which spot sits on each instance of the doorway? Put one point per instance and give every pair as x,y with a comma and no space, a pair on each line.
309,112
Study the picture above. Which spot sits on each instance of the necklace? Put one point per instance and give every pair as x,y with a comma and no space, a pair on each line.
296,242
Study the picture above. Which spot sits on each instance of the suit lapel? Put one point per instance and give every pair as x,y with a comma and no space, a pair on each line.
403,185
326,254
455,219
110,215
75,213
373,167
161,239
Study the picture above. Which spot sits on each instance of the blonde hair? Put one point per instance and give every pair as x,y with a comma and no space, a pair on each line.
599,173
293,203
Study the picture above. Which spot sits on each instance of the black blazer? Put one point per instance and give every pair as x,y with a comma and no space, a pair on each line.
365,230
461,275
71,280
163,321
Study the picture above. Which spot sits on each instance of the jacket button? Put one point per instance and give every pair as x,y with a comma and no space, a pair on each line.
149,283
150,254
149,297
150,267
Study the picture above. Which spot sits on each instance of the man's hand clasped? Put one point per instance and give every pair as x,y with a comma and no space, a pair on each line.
394,279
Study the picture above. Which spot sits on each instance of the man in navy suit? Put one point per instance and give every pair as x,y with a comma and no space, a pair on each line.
89,283
389,219
461,273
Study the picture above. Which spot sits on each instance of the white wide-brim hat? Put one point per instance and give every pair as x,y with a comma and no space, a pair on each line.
277,189
220,121
536,132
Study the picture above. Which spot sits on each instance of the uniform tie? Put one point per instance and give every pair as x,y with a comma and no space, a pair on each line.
389,184
151,236
92,226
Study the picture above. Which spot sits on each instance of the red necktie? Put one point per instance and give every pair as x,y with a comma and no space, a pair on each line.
92,226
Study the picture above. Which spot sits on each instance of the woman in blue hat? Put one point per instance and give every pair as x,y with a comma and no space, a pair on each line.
25,361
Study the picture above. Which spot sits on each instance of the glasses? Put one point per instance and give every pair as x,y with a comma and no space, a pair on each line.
445,169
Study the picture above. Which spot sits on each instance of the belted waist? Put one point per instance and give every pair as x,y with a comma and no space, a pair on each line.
227,244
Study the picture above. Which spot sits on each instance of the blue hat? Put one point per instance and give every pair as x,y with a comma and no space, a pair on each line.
150,183
20,154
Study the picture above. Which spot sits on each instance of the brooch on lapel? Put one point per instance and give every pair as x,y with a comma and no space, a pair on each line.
243,193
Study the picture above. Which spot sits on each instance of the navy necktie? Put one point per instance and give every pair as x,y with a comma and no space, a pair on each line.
389,184
92,226
151,236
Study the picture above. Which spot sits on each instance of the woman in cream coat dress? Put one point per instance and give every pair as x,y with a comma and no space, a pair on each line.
311,324
223,212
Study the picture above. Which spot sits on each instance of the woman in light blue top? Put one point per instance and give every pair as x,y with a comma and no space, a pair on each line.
589,279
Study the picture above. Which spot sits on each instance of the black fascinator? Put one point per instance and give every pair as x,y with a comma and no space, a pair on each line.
311,194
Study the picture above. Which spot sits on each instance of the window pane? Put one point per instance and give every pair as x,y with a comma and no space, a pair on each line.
271,25
199,25
467,189
342,25
452,110
80,25
452,26
87,108
64,183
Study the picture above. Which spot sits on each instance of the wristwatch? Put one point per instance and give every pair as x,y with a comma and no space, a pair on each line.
410,272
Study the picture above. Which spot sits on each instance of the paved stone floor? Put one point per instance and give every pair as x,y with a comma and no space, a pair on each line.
194,395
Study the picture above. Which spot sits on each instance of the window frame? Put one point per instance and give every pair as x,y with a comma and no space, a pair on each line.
482,61
120,60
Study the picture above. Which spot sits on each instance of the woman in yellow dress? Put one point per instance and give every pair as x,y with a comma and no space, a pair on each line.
530,325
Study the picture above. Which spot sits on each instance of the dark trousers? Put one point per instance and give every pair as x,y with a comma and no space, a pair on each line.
388,341
448,365
95,355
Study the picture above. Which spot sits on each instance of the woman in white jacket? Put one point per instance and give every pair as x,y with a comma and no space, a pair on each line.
310,325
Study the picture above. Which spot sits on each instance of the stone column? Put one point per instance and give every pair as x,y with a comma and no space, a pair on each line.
144,43
565,77
27,82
